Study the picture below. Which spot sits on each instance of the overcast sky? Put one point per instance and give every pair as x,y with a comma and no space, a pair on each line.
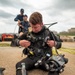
61,11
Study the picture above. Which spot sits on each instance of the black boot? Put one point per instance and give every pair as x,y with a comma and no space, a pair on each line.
1,71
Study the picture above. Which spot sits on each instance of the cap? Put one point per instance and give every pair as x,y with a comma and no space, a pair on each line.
21,10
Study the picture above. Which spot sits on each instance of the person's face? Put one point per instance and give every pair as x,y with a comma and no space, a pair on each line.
25,18
21,12
36,28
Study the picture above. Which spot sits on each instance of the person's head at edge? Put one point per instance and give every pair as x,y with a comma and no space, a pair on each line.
21,11
36,22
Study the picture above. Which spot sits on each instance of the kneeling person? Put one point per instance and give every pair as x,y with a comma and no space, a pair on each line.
37,43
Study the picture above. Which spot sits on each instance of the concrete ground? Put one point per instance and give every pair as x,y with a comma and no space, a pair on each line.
9,56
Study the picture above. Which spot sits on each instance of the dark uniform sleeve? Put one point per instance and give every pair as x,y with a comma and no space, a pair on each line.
16,18
56,39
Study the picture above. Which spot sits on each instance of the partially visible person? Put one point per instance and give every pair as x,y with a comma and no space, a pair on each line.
19,18
24,24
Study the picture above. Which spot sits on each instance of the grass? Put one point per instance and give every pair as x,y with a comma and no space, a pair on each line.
69,50
4,45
